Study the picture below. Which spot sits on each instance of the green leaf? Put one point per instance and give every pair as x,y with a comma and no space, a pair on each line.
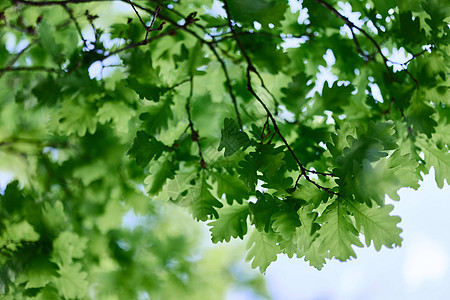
177,188
48,293
47,91
247,171
189,61
383,6
230,186
262,11
72,282
273,160
12,198
47,40
307,239
145,148
54,217
263,249
265,159
439,159
76,116
371,145
334,98
438,12
116,112
296,92
419,115
316,255
112,217
338,232
232,138
261,212
17,232
159,176
203,203
231,223
67,246
38,273
146,90
386,177
307,232
409,30
157,116
265,53
285,223
378,225
193,192
311,195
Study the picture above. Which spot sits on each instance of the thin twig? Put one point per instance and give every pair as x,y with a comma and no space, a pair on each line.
228,84
195,136
141,43
18,55
72,17
358,47
224,35
31,69
91,19
405,64
351,25
148,29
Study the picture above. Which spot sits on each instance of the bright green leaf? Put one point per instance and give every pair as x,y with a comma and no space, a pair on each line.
263,249
338,233
231,223
378,225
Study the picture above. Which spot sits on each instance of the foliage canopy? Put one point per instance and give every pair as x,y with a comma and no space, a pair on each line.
221,111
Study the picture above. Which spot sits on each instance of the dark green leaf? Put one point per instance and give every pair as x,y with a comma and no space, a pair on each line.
263,210
145,148
232,139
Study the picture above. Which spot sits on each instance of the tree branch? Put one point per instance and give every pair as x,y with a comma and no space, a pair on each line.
72,17
352,26
148,29
13,61
251,68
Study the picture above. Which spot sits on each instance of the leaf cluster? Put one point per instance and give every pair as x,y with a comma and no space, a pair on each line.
221,112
